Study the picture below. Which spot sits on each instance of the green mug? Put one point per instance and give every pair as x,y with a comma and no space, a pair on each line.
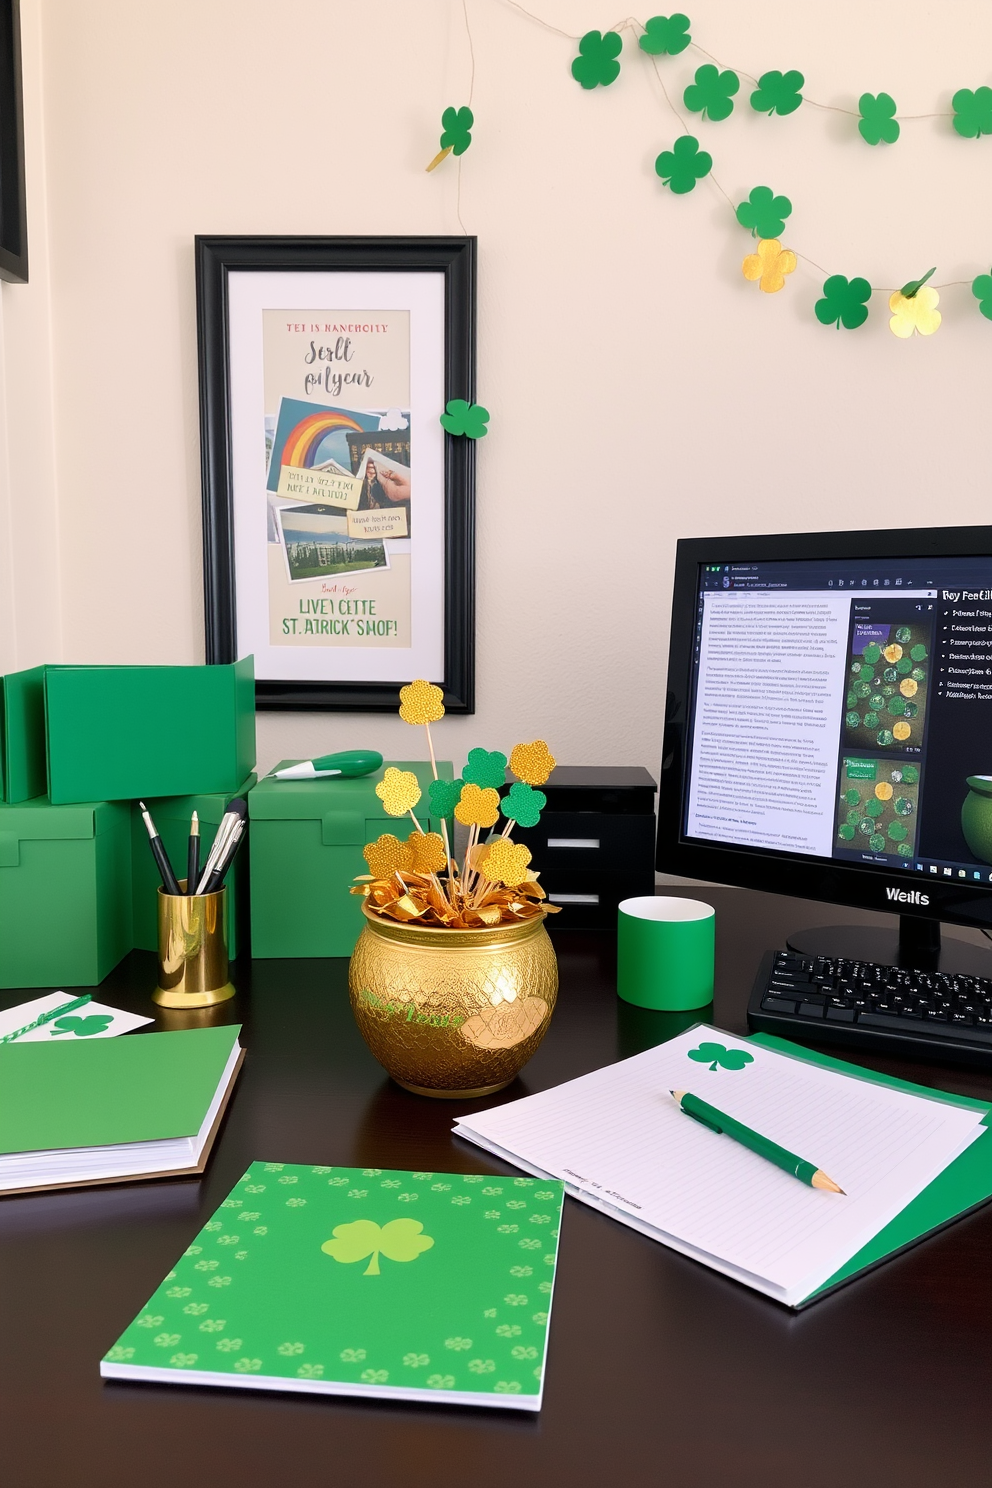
665,952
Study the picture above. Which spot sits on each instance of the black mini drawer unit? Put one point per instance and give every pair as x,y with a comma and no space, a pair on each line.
595,842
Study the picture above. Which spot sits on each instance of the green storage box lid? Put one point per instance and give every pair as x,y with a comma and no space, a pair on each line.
40,821
342,806
23,772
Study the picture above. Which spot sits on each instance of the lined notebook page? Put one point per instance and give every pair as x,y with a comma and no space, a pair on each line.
617,1136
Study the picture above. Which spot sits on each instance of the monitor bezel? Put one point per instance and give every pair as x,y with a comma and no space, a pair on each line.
830,881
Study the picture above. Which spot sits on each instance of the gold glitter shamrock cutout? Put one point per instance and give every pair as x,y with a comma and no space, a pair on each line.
428,852
398,791
532,762
421,702
477,807
507,862
769,264
387,854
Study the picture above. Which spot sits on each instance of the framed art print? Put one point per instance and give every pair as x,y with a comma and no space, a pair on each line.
338,516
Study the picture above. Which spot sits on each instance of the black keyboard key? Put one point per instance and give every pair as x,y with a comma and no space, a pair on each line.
811,1010
932,1030
777,1005
841,1014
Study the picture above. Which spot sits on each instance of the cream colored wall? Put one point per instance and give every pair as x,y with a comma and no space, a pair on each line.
640,389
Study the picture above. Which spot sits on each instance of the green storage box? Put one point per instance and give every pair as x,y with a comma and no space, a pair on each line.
172,817
65,892
122,732
22,736
306,849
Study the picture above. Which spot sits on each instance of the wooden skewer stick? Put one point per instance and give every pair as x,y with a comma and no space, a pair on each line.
441,155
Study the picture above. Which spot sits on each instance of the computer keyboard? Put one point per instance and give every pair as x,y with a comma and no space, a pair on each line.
892,1009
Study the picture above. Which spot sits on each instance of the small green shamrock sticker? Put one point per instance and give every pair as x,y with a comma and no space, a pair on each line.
456,127
972,112
523,804
712,93
718,1055
596,65
878,124
82,1027
444,796
469,419
683,165
485,768
665,36
981,288
844,303
399,1240
764,213
778,93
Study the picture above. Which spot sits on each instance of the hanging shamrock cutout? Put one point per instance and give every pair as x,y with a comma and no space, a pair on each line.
665,36
485,768
456,134
532,762
470,419
523,804
399,1240
718,1056
972,112
596,65
764,213
844,303
878,124
778,93
981,288
683,165
769,265
444,796
82,1027
712,93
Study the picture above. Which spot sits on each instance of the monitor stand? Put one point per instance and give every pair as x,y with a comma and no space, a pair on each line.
916,944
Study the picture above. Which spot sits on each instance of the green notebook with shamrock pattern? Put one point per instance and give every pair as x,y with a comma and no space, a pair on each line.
360,1281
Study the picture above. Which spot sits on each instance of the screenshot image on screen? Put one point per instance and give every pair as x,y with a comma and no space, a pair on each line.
844,710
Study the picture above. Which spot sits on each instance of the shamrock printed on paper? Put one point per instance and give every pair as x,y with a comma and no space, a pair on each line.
441,1381
596,65
683,165
769,264
386,854
665,36
719,1056
506,862
532,763
523,804
485,767
764,213
416,1361
981,288
712,93
444,796
878,124
399,1240
374,1376
82,1027
972,112
398,790
421,702
844,303
476,807
778,93
470,419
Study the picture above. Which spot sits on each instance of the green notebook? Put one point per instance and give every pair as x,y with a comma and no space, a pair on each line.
360,1281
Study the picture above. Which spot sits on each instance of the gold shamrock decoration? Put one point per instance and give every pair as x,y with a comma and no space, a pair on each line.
506,862
428,852
398,791
387,854
914,313
532,763
421,702
769,264
477,807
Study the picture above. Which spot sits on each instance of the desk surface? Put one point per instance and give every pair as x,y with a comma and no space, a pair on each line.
658,1369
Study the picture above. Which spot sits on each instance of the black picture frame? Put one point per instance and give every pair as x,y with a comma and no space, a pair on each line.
216,258
13,209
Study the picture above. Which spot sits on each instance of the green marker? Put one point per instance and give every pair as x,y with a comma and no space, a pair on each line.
56,1012
708,1115
349,763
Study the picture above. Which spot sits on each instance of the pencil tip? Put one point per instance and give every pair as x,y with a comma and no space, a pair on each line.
142,805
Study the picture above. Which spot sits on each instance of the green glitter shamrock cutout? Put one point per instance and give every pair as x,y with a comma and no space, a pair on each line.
972,112
469,419
712,93
719,1056
844,302
764,213
683,165
82,1027
596,65
665,36
456,134
981,288
485,768
878,125
523,804
444,796
778,93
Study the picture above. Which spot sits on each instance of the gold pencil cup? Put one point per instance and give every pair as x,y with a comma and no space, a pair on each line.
192,950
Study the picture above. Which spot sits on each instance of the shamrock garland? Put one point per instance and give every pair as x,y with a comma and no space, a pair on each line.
712,94
469,419
778,93
763,213
878,123
596,65
972,112
683,165
844,302
456,134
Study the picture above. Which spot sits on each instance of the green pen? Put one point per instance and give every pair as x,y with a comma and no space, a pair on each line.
717,1121
56,1012
348,762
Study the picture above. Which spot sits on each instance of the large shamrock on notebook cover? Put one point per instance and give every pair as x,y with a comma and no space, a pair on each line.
718,1056
399,1240
82,1027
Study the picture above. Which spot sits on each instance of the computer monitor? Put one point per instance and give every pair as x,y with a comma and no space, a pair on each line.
829,730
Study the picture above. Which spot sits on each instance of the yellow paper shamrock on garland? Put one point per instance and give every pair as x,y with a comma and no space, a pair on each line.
477,807
914,313
386,854
506,862
421,702
427,851
398,791
769,264
532,762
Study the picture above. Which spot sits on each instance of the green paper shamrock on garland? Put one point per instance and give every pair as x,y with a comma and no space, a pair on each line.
444,796
712,94
912,288
972,112
665,36
764,213
719,1055
683,165
778,93
844,302
82,1027
469,419
485,768
596,65
456,134
523,804
981,288
878,125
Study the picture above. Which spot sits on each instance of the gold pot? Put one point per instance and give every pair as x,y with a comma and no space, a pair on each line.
453,1013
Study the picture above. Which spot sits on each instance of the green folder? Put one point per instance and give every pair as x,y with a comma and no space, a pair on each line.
22,736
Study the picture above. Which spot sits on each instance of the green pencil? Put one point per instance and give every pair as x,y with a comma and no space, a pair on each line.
56,1012
717,1121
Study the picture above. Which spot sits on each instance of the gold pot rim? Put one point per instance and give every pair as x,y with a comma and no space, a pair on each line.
434,936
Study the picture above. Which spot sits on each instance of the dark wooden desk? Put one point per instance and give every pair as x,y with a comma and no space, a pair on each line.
659,1371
